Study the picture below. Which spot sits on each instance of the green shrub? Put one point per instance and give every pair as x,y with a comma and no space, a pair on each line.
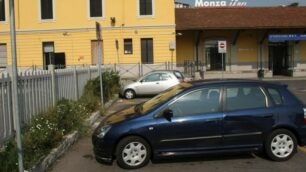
111,85
8,158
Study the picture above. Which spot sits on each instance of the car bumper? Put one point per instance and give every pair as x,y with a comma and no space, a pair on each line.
102,150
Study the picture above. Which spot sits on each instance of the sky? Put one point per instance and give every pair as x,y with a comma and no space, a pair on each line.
256,2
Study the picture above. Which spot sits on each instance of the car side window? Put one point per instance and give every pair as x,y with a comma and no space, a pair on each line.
165,77
152,78
242,98
276,96
197,102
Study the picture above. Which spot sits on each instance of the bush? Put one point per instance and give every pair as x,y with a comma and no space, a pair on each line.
111,85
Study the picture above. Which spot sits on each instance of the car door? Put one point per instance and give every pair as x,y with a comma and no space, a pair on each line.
196,123
247,116
149,84
166,81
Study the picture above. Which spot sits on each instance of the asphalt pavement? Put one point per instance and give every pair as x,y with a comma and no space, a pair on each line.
80,157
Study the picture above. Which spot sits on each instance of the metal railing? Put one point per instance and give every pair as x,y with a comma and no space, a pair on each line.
38,91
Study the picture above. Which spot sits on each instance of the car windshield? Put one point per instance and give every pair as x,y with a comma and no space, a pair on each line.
162,97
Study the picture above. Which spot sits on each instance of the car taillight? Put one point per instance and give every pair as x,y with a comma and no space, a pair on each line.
304,115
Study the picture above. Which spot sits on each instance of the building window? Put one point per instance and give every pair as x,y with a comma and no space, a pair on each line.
2,10
46,9
128,46
96,8
145,7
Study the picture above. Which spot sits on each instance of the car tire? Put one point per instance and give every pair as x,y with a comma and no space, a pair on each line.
133,152
281,145
129,94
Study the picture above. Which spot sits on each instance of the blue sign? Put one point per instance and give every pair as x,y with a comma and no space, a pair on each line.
291,37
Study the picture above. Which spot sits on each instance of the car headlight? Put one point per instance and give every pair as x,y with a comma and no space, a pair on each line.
102,131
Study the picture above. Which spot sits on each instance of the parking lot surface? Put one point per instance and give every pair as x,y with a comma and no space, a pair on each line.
80,157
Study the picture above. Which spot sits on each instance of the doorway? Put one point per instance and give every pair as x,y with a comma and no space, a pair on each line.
147,50
94,52
279,58
213,58
48,54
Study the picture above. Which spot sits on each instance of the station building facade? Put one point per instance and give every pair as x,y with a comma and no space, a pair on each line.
64,32
262,38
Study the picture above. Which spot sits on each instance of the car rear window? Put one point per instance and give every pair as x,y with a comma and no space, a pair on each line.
178,75
276,96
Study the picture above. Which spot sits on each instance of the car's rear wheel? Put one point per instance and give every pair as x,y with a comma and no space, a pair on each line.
133,152
281,145
129,94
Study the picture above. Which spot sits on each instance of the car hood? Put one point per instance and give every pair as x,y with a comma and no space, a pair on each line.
123,115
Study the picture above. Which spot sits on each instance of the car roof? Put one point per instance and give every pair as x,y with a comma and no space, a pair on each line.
199,83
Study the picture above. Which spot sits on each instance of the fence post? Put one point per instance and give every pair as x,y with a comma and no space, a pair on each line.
53,84
139,70
76,84
89,73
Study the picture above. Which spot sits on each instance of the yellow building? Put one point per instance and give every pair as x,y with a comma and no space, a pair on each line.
64,32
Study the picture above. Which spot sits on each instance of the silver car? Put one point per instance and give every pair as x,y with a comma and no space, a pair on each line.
152,83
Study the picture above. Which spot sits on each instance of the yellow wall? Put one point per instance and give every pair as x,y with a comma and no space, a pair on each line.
247,47
303,51
185,46
72,31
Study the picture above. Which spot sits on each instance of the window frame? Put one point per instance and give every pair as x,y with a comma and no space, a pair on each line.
145,16
96,18
40,12
5,12
131,46
262,89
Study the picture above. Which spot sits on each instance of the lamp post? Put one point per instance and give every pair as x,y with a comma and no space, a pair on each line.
14,87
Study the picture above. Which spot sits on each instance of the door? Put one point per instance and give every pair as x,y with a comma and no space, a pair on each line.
214,60
3,55
247,116
94,52
149,84
278,58
48,54
147,50
196,123
166,81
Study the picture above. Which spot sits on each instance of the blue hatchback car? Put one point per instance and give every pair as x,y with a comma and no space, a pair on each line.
204,117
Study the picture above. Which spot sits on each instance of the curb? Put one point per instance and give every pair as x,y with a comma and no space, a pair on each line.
67,142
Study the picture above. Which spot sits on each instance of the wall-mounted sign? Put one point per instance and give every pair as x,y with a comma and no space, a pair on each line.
222,46
172,45
216,3
289,37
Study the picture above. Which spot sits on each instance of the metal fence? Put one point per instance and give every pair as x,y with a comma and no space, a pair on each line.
38,91
136,70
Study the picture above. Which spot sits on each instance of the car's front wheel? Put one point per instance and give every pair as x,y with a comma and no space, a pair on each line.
133,152
281,145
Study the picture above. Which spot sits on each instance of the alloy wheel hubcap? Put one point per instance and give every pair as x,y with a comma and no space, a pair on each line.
282,146
134,153
129,94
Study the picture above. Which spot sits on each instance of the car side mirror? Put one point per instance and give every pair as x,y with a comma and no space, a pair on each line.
168,114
